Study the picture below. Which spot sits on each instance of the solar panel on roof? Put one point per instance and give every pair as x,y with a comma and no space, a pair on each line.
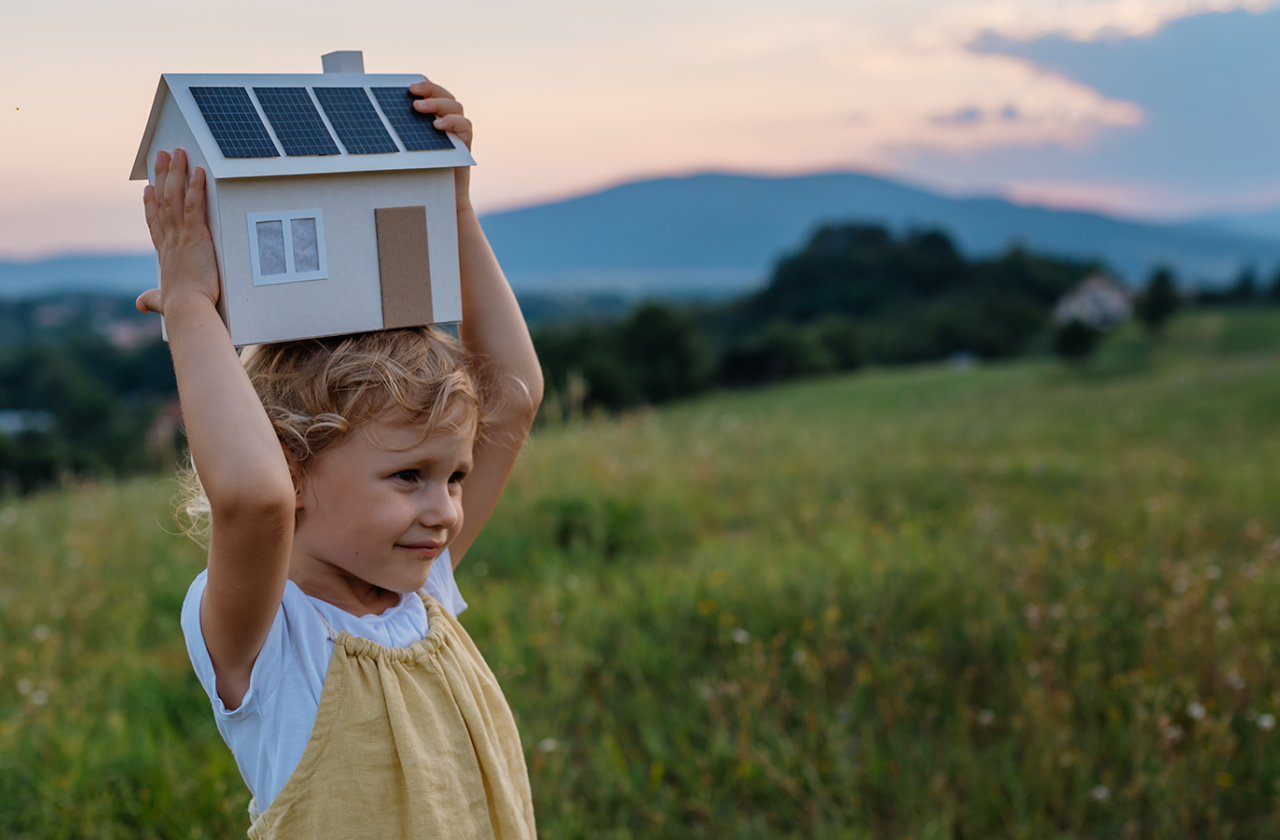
234,122
415,129
296,121
352,115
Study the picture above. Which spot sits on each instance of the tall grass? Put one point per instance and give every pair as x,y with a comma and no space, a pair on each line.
1018,601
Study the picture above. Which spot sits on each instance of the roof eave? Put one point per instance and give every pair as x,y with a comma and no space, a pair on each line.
139,172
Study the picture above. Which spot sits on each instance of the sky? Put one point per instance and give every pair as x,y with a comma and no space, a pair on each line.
1158,109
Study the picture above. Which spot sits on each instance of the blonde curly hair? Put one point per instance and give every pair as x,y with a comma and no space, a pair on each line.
315,391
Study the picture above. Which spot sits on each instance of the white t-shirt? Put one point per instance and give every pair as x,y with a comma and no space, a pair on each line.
270,729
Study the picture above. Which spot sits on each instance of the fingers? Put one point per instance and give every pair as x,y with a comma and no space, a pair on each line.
171,197
148,301
438,105
152,213
429,89
456,124
162,172
193,206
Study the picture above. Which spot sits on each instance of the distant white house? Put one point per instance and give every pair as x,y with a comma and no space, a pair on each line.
1098,302
330,199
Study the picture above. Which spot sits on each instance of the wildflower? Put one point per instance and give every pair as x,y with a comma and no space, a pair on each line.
1172,733
41,632
39,697
799,656
1196,711
1235,680
706,606
1213,572
1224,623
986,717
1220,603
1180,585
548,745
1226,780
557,617
571,582
1058,610
1033,669
1100,793
741,636
1032,612
1266,722
25,686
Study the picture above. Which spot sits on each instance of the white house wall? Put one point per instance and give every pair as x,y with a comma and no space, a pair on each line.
349,299
442,222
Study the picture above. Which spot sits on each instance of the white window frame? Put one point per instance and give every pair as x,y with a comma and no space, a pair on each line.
290,275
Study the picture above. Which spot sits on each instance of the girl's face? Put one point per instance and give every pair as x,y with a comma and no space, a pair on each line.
375,511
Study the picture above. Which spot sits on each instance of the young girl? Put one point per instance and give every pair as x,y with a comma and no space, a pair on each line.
323,629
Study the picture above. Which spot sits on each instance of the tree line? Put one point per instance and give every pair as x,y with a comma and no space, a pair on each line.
74,403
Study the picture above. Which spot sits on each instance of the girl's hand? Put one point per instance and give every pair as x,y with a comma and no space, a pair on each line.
449,118
175,217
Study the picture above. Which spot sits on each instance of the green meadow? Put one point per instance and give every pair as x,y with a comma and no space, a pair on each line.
1024,600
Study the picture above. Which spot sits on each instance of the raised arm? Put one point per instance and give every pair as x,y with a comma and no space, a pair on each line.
237,456
493,329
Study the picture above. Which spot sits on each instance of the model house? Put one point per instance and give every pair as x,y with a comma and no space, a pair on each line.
330,199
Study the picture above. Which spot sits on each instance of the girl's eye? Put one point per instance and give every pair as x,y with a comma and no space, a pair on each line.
457,477
407,475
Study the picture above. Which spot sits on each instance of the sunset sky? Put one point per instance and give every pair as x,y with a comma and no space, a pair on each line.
1151,108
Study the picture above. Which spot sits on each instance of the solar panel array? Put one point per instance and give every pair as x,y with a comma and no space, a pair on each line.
240,132
296,121
234,122
415,129
358,125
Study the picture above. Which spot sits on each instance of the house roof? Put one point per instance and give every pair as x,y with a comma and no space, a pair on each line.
356,122
1098,301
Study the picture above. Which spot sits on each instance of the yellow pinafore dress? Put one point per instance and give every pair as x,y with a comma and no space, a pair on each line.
414,742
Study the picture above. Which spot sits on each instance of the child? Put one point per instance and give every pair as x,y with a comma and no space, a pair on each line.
354,702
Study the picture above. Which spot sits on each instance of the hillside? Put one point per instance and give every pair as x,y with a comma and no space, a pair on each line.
1016,601
719,234
722,229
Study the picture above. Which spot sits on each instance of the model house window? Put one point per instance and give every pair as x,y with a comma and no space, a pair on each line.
287,247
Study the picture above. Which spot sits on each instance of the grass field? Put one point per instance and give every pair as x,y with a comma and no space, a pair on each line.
1022,601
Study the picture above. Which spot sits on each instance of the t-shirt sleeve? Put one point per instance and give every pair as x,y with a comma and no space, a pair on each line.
442,585
265,667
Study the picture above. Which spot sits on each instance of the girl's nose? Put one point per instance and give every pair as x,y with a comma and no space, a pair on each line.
440,509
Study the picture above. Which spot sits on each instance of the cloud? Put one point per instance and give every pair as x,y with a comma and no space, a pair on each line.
1210,116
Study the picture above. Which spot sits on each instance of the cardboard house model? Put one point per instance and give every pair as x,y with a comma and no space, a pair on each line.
330,199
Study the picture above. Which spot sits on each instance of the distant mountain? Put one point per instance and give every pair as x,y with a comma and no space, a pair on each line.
730,229
715,233
124,274
1248,224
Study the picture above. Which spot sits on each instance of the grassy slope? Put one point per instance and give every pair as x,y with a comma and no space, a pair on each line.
1019,601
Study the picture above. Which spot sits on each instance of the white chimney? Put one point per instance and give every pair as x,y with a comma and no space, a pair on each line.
343,61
